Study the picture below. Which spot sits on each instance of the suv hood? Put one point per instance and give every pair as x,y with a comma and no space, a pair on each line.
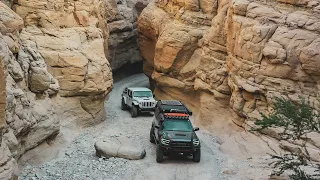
179,135
143,99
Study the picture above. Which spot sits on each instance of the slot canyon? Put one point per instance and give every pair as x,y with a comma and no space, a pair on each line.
65,63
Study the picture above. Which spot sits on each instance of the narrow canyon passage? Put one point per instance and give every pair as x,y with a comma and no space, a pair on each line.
65,63
80,162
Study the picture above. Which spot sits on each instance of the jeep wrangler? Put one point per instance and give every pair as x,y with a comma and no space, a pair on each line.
172,131
138,100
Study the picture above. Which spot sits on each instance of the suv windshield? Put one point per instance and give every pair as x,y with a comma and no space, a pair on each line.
142,94
177,125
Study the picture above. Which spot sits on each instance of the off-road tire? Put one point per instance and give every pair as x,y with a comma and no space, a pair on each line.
151,136
159,153
197,156
123,105
134,111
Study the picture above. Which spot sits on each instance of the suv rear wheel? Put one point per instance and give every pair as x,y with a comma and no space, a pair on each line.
134,111
159,154
151,135
197,156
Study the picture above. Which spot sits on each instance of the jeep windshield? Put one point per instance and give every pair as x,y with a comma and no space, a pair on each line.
177,125
142,94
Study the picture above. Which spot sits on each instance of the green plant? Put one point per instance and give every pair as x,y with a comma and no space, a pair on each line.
294,163
296,120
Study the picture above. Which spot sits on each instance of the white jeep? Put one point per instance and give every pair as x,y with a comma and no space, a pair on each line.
138,100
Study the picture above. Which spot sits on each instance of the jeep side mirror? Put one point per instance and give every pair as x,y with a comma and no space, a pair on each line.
156,126
196,129
154,95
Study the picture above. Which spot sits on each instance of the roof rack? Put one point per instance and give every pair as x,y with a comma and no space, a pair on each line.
174,111
171,102
174,106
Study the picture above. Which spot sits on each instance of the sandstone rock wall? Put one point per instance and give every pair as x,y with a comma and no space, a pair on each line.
71,37
122,16
237,53
55,71
272,53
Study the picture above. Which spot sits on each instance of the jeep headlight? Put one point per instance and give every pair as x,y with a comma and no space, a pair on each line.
196,142
165,141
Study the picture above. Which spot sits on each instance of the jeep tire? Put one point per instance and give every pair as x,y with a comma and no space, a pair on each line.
197,156
134,111
123,105
152,140
159,157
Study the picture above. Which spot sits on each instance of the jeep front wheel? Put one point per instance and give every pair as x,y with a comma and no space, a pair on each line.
134,111
123,105
159,154
197,156
151,136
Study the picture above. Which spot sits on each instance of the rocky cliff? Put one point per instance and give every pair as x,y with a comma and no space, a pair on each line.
53,55
122,17
237,53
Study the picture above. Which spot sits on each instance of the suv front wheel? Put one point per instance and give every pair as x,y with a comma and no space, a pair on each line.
123,105
197,156
159,154
134,111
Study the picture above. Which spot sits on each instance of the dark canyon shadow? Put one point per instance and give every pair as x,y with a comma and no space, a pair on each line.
127,70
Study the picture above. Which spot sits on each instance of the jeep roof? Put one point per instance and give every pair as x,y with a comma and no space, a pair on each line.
139,89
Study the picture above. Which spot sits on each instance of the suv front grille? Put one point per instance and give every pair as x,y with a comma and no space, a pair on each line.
180,144
147,104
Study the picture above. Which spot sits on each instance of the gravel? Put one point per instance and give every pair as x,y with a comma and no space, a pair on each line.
80,162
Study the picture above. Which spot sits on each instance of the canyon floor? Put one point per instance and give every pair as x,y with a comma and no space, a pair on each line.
72,154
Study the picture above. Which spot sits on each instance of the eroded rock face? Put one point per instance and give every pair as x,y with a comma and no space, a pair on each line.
72,39
53,70
232,53
122,16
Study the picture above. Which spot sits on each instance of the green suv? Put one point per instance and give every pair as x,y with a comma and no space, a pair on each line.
172,131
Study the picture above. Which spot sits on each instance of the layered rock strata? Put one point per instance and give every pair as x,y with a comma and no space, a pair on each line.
54,72
237,53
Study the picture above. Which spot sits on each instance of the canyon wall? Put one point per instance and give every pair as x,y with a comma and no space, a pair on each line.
237,53
122,17
55,70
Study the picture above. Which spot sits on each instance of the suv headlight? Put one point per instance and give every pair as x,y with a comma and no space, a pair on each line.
165,141
196,142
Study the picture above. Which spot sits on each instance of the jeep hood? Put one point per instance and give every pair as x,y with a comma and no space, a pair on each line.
179,135
143,99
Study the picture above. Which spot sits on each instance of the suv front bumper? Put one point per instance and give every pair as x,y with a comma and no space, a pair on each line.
177,149
146,109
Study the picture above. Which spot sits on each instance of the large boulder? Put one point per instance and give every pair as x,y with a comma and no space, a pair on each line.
119,147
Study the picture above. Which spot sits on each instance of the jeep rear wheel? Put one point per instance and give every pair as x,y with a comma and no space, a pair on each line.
197,156
134,111
123,105
159,154
151,135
